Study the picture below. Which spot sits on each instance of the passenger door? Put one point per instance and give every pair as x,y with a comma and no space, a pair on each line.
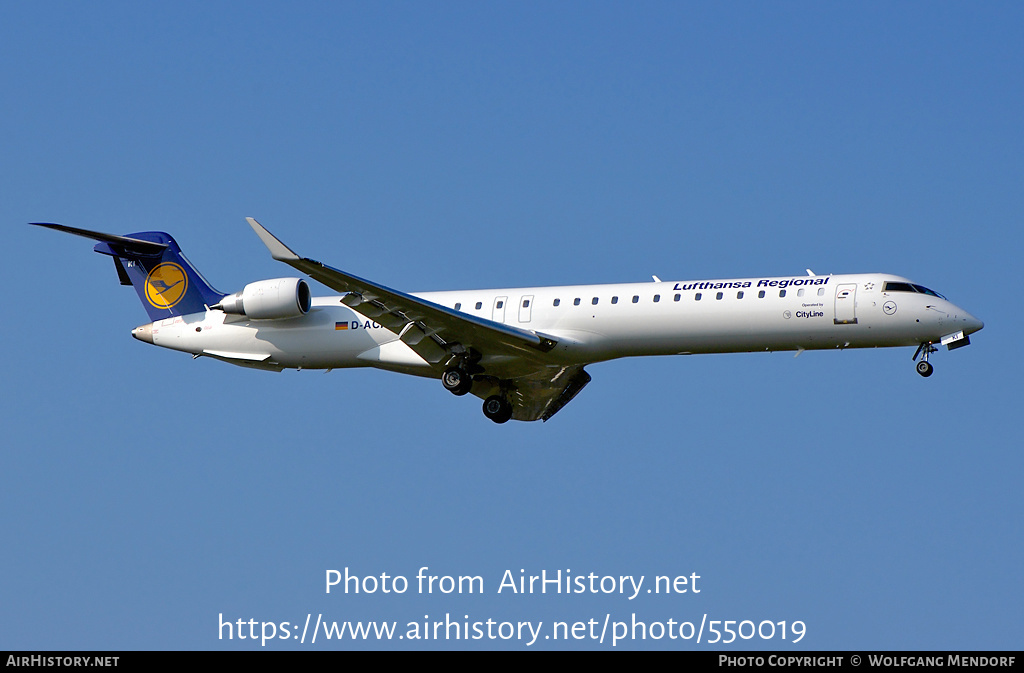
846,304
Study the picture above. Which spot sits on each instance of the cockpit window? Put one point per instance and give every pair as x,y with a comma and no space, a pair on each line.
922,289
910,287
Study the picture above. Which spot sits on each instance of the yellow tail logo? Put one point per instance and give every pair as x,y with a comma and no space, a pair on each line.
166,285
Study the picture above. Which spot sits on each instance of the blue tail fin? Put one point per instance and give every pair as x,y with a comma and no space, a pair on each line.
153,264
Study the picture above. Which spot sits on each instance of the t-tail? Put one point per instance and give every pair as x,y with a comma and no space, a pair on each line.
153,264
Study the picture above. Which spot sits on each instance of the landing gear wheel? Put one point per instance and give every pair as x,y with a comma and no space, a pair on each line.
497,408
924,368
457,381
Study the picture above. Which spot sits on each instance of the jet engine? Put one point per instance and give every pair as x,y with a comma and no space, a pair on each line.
269,299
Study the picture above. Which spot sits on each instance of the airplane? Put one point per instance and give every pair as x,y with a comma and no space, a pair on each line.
522,350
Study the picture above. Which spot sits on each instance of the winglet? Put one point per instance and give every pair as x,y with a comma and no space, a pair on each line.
278,250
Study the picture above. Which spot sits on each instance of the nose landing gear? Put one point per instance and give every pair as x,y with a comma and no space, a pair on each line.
924,368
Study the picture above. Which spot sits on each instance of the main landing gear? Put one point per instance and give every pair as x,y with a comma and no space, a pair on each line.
924,368
457,380
497,408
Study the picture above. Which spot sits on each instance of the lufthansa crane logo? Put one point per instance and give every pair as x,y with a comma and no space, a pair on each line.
166,285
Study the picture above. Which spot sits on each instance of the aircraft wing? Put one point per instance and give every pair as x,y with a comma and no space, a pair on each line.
435,332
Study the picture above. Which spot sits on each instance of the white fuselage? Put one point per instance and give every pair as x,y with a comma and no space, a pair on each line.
592,323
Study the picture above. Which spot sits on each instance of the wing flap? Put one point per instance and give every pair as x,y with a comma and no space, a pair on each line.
542,394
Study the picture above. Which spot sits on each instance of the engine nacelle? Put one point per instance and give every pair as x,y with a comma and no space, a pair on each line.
269,299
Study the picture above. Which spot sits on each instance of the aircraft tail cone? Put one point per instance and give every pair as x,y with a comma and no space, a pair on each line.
144,333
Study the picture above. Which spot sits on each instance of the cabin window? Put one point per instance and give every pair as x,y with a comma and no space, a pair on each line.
636,298
760,295
739,295
677,297
782,293
657,298
479,305
719,295
615,300
556,302
800,292
821,292
458,306
594,301
576,301
696,297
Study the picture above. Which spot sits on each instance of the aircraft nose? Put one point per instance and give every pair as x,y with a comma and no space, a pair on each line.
963,320
144,333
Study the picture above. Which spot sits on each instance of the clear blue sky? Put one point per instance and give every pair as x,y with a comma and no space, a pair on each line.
445,146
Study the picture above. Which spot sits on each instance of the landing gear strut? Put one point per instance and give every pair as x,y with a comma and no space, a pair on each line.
497,408
924,368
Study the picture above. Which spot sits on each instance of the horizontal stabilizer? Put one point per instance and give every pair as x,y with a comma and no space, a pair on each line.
135,245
